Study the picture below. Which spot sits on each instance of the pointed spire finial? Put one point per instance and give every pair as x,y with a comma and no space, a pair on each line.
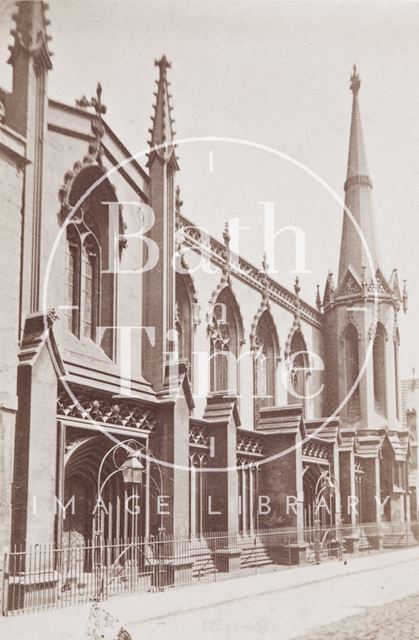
265,267
226,234
162,133
297,287
318,298
404,296
355,81
163,64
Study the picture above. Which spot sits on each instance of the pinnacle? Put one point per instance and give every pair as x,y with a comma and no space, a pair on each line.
162,131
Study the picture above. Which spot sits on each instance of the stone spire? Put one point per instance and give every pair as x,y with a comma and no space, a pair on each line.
162,131
358,199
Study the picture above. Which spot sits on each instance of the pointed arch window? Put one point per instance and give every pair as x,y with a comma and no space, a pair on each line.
225,330
73,279
90,287
90,260
298,371
379,367
183,318
265,356
352,372
83,286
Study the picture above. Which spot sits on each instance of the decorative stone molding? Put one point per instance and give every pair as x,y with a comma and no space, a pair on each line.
103,410
214,250
350,321
315,449
249,444
379,285
373,329
362,180
198,460
296,326
198,435
215,326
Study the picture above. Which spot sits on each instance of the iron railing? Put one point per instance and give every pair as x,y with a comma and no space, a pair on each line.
44,576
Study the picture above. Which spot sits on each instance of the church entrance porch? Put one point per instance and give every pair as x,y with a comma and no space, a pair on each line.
100,497
321,522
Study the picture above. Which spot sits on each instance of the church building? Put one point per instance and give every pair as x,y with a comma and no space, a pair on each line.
106,317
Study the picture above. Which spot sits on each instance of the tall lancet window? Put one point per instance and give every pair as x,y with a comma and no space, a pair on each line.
298,372
379,366
93,252
90,287
73,279
265,355
183,318
225,329
352,372
83,286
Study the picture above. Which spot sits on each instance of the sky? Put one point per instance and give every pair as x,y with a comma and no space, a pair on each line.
274,74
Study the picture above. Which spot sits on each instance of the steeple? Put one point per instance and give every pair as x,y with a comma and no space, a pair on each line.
162,130
358,199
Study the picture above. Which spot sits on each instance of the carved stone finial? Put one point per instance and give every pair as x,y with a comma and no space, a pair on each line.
178,201
97,126
404,296
318,298
95,102
297,287
51,317
162,64
226,234
355,81
265,265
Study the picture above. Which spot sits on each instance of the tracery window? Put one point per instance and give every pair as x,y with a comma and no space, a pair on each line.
183,318
224,344
352,372
73,279
90,260
265,354
298,372
379,367
83,283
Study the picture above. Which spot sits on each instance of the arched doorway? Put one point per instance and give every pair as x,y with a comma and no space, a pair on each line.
118,513
319,496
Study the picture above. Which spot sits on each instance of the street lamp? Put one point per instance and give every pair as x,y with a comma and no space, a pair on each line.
132,469
329,482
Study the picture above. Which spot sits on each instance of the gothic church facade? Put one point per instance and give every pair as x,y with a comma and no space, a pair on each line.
68,395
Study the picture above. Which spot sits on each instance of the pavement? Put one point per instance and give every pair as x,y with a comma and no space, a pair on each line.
281,605
397,620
